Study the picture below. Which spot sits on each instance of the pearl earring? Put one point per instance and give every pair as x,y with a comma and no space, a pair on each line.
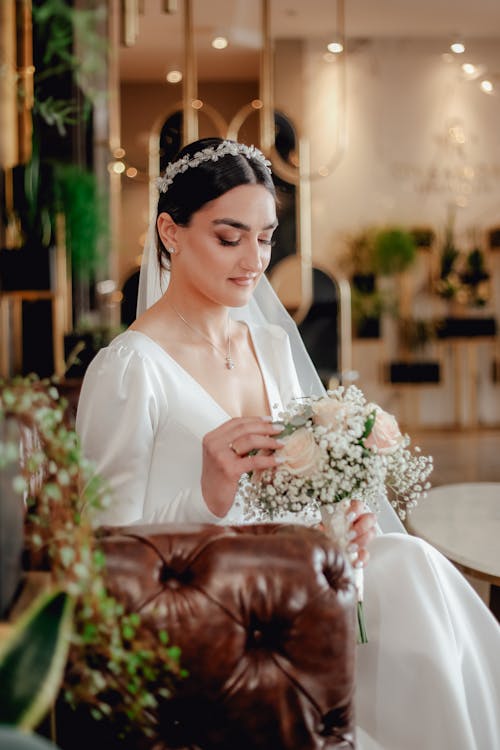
171,250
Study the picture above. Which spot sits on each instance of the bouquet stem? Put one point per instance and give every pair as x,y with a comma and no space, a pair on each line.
362,635
337,526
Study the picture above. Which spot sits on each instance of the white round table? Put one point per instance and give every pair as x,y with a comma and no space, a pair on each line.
463,522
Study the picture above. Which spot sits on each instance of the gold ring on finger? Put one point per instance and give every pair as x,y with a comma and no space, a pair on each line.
234,449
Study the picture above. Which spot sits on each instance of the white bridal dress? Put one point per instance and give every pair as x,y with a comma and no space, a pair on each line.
429,678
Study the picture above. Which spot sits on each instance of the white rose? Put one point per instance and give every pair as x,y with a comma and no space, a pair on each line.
328,412
302,455
385,436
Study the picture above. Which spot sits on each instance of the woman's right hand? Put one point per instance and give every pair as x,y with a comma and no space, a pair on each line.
226,457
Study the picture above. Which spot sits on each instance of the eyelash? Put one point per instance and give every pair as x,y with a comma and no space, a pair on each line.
235,243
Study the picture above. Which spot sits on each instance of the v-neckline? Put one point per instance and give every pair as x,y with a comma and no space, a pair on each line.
271,390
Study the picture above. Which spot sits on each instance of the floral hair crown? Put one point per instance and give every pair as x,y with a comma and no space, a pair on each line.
212,153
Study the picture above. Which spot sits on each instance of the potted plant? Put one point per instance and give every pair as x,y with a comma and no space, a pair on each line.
367,301
376,253
115,661
394,251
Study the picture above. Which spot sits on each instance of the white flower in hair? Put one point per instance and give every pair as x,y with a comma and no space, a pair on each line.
210,153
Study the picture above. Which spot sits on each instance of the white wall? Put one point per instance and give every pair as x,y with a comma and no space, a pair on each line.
399,164
401,167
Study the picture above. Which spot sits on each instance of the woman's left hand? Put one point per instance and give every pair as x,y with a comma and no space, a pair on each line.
362,530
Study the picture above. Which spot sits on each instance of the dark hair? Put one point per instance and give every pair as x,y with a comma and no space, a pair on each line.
192,189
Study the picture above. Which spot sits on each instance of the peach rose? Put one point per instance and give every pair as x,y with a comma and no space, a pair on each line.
302,455
385,436
328,413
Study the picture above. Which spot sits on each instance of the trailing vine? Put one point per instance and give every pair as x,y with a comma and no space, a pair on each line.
118,666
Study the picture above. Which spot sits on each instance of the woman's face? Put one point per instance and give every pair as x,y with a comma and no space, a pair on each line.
226,248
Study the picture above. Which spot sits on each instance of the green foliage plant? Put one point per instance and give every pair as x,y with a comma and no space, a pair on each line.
33,659
119,667
77,196
463,277
394,251
56,24
70,51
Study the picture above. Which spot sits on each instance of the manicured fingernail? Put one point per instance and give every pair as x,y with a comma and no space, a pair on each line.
280,442
350,517
277,427
279,459
267,419
351,535
352,547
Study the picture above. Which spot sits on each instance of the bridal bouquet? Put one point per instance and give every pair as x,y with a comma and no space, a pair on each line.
338,448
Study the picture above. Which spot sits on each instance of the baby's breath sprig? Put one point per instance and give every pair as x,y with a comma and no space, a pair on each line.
338,447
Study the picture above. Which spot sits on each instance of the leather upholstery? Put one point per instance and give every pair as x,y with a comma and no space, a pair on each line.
265,619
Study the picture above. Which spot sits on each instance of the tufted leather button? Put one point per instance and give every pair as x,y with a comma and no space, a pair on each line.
173,578
257,636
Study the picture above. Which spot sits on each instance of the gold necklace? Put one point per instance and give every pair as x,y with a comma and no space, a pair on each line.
230,363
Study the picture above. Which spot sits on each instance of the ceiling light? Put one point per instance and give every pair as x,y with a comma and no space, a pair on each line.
174,76
487,87
471,72
336,47
457,47
219,42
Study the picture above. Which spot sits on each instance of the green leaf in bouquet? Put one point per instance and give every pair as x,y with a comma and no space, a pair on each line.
33,659
370,421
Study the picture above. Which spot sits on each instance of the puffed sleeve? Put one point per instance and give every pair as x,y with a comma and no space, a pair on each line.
122,407
116,421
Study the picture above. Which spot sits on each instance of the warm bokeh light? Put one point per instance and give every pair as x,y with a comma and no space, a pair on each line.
219,42
131,172
335,47
118,167
257,104
119,153
457,47
469,69
116,296
107,286
174,76
197,104
487,87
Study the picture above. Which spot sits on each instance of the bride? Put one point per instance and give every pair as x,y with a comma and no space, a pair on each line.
183,403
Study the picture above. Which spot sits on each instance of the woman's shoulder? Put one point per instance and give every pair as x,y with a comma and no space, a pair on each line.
132,344
131,353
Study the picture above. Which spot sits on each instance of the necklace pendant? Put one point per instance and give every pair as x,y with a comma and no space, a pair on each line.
229,363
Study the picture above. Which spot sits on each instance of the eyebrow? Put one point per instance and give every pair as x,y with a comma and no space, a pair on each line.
240,225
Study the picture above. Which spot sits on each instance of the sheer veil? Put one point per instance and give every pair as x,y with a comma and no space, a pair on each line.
264,308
